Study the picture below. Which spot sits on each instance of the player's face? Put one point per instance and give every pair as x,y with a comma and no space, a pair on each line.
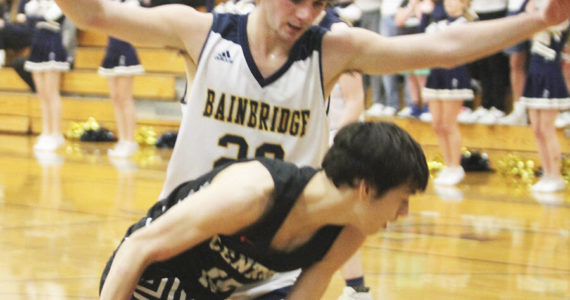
290,18
388,207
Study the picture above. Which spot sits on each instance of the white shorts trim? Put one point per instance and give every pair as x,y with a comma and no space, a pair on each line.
51,65
459,94
121,71
542,103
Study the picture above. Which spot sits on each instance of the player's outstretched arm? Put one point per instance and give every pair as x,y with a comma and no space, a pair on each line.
175,26
314,280
230,203
373,54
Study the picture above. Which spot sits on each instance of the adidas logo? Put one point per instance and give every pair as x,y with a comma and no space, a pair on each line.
224,56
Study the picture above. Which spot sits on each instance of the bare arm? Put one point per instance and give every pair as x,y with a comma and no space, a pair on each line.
351,89
231,202
353,95
175,26
313,281
359,49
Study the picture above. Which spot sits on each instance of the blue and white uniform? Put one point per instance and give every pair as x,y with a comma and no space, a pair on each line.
233,112
545,87
121,58
47,52
447,84
516,7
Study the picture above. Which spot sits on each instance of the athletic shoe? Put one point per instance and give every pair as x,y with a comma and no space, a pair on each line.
124,149
426,117
406,112
47,142
491,116
548,184
388,111
562,119
349,293
467,116
516,117
450,176
375,110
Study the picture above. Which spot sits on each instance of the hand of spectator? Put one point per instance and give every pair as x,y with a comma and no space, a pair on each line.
2,23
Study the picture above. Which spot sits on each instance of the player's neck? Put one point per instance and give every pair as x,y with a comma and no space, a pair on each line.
325,203
265,40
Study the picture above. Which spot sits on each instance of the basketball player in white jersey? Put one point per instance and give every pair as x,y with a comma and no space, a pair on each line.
260,80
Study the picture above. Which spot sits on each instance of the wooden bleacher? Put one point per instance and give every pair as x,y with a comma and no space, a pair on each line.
481,137
85,93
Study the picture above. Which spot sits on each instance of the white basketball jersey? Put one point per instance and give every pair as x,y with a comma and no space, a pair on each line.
232,112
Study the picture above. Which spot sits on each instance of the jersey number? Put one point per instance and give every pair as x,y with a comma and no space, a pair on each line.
264,150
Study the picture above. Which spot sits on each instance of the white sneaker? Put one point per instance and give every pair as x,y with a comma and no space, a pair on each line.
426,117
562,120
516,117
491,116
388,111
351,294
47,142
405,112
124,149
450,176
548,184
375,110
468,116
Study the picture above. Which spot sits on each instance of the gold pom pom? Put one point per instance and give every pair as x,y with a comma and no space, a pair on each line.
146,135
517,168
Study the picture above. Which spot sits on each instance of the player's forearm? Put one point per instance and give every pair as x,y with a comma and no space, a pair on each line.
459,45
126,269
309,286
353,94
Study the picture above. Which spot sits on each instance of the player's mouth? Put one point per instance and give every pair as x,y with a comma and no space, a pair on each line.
293,28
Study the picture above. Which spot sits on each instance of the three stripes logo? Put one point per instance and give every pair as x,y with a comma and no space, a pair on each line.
225,57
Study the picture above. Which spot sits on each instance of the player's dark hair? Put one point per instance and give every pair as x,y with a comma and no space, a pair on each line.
382,154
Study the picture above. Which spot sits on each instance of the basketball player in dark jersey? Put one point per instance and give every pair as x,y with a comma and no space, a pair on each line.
245,221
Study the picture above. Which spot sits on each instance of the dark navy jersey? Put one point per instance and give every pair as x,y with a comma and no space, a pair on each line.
217,266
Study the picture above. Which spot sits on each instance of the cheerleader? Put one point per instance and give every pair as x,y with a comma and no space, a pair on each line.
47,60
119,66
446,89
545,94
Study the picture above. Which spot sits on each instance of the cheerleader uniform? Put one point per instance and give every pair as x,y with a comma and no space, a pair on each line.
448,84
121,57
47,52
545,87
516,7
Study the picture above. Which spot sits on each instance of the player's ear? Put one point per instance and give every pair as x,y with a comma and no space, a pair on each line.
363,189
